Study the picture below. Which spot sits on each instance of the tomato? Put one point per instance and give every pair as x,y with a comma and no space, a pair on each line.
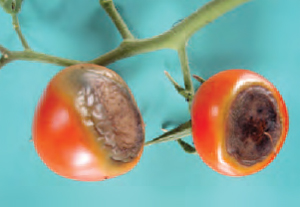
239,122
87,125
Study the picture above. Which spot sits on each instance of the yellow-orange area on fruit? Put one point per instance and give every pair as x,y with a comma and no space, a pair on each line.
87,125
239,122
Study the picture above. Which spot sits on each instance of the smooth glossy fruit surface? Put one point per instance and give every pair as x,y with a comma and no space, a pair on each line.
87,125
239,122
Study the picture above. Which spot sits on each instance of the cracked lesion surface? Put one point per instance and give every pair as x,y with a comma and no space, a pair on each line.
108,109
253,126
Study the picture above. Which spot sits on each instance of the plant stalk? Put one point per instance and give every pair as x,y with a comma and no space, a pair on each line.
18,31
111,10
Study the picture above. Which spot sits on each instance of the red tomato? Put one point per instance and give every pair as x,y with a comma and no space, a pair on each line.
87,125
239,122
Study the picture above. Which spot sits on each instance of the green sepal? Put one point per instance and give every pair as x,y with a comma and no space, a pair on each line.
181,131
186,147
11,6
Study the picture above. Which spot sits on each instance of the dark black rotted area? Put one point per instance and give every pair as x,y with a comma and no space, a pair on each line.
253,126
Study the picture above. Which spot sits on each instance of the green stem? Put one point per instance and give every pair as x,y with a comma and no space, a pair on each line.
172,39
175,37
111,10
203,16
3,50
179,132
130,48
4,57
188,83
30,55
3,61
18,31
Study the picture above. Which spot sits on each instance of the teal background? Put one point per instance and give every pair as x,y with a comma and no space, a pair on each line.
262,36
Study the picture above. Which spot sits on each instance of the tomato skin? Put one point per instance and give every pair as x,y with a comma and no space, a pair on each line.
209,113
58,137
63,143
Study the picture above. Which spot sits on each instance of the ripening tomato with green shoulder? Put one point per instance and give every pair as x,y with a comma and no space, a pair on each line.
87,125
239,122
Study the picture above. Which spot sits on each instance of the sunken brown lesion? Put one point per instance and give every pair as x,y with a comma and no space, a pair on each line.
124,134
108,109
253,126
